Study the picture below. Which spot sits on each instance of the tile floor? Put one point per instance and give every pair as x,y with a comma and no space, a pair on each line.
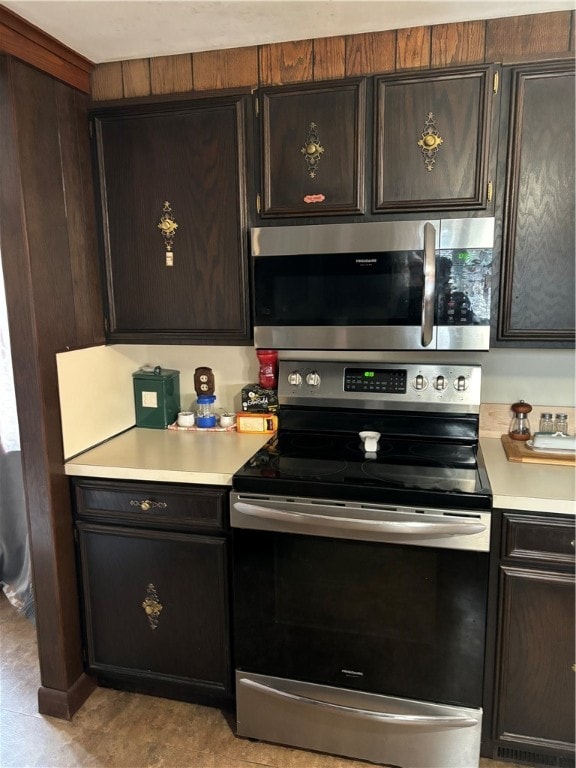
115,729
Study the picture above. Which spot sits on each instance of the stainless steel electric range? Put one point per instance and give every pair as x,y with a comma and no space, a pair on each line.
361,537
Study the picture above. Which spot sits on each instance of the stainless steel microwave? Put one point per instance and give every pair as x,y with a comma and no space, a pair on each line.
404,285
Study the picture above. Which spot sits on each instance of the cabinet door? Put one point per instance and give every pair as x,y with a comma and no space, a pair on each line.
313,148
181,163
535,696
432,142
156,608
537,282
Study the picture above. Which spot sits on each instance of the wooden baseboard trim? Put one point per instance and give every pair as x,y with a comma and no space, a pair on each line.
64,704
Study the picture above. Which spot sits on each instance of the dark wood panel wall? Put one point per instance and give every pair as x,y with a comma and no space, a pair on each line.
506,40
49,259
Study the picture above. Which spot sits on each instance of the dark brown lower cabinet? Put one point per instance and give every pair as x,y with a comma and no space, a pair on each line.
534,713
154,572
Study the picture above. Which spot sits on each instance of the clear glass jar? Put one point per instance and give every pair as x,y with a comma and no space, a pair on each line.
561,424
205,415
546,424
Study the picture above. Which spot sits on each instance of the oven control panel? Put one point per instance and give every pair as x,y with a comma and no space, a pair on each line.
425,387
375,380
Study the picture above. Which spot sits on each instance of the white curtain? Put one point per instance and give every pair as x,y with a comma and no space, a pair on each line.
15,572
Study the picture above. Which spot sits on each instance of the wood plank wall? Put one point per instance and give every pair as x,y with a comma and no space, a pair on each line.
506,40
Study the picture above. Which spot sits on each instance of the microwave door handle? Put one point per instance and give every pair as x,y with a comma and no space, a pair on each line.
429,283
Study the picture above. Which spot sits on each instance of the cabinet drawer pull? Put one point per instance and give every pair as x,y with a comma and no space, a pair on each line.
147,504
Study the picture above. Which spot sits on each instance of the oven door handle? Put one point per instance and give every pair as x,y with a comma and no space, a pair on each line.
416,528
458,721
429,293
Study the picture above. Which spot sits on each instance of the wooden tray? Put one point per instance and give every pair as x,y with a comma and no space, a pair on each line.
517,450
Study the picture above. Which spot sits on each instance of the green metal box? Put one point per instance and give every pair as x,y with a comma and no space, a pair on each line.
156,396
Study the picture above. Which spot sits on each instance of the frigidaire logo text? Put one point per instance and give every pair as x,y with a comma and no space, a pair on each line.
366,261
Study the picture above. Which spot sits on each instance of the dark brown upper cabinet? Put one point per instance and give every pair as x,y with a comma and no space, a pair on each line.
432,140
537,281
313,148
173,211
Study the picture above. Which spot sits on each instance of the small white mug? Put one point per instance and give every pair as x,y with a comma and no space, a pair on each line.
227,419
186,419
370,440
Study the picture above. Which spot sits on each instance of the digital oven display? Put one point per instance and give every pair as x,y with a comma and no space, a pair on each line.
375,380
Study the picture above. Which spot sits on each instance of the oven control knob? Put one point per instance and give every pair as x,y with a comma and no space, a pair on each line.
460,384
313,379
440,383
419,382
294,379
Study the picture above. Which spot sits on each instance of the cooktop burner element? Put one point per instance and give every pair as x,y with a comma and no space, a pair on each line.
428,452
292,466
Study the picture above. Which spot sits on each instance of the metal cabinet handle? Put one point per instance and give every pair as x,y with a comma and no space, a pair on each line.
429,283
367,714
146,504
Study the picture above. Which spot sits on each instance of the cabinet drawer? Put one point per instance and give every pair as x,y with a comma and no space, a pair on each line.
152,505
544,539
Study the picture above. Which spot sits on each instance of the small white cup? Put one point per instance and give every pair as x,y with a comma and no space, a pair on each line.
370,440
227,419
186,419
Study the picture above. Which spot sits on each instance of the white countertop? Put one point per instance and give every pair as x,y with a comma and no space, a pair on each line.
527,486
211,458
165,455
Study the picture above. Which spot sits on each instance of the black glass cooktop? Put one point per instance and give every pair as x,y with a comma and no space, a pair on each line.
408,471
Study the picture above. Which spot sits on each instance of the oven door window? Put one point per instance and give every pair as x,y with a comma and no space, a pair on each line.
340,289
398,620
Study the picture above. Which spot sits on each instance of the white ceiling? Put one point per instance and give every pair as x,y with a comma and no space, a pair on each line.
113,30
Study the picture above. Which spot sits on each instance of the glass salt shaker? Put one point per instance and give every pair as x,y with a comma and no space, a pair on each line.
546,424
561,424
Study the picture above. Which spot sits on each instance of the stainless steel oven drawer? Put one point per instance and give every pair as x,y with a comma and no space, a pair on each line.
364,726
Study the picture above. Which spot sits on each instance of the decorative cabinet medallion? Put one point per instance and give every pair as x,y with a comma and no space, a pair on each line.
430,142
432,148
152,606
313,150
168,226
